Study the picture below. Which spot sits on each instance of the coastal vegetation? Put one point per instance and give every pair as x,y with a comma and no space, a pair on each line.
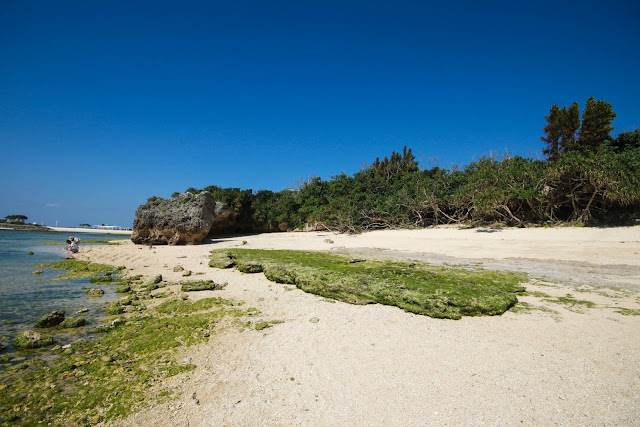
436,291
16,219
121,371
588,177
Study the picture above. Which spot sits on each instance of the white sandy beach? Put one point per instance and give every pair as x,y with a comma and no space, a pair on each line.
378,365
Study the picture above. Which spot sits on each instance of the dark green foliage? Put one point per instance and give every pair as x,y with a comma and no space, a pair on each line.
560,130
16,218
591,178
440,292
396,164
596,125
626,141
581,187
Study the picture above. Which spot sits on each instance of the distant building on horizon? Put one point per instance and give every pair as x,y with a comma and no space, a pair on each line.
109,227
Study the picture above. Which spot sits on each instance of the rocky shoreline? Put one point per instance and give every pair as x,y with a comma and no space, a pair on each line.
29,227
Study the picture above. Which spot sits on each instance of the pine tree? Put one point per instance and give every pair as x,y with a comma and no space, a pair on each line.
553,132
571,125
596,125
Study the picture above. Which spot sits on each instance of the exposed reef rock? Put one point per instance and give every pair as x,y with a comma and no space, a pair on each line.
31,339
49,320
182,220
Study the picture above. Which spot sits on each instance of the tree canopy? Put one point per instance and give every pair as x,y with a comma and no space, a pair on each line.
16,218
564,132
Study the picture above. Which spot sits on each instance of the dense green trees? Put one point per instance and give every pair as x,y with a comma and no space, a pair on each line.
16,218
590,178
563,131
560,131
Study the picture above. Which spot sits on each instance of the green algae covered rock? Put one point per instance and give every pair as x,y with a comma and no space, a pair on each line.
221,259
73,322
31,339
153,280
95,293
50,320
113,309
101,279
201,285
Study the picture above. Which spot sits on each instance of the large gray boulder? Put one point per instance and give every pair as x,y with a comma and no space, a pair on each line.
182,220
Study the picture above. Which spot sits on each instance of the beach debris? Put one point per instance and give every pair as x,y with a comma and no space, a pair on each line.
66,346
95,292
244,242
117,322
187,359
49,320
32,339
328,241
38,272
82,310
73,322
314,320
195,398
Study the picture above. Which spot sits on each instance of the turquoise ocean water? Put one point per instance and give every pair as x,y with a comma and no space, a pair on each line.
25,297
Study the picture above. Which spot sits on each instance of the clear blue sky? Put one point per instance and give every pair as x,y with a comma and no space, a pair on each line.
105,103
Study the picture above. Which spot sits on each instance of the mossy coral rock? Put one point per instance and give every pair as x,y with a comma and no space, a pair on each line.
50,320
95,292
73,322
154,280
32,339
123,289
113,309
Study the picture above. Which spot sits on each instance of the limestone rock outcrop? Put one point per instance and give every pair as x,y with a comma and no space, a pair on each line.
184,219
50,320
